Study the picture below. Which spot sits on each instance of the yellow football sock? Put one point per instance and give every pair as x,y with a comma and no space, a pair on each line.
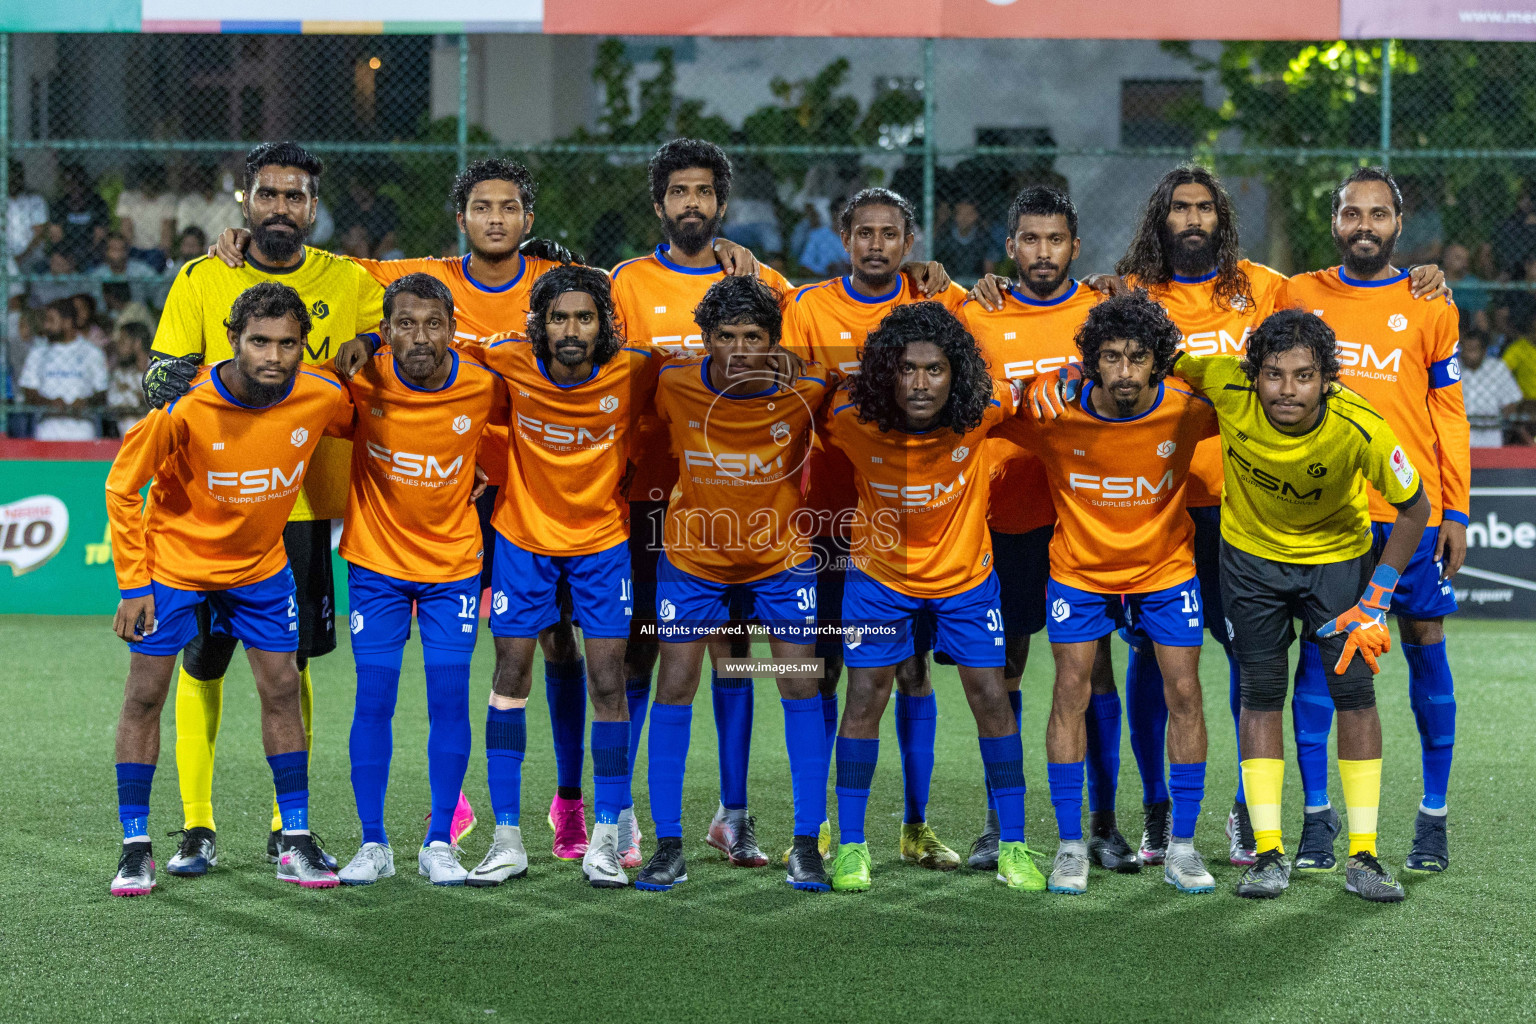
199,704
1263,779
307,709
1362,794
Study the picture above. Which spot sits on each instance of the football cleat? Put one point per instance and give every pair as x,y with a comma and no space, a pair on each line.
824,844
983,856
666,868
600,864
275,849
1430,852
1266,877
1314,854
1184,869
1241,849
196,853
921,846
734,833
1154,831
463,822
371,862
629,838
720,834
850,870
807,868
303,863
568,819
1112,853
1069,872
135,871
436,862
505,859
1016,868
1365,876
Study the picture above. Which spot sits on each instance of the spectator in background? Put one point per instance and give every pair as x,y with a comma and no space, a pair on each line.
1520,355
1487,387
363,207
78,219
121,307
1423,232
87,324
820,249
205,205
1514,239
130,358
67,375
1456,261
26,222
118,263
965,246
146,215
191,243
355,243
60,265
1522,304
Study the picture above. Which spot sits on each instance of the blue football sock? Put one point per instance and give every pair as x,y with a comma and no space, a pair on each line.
565,688
828,732
290,777
916,726
371,741
855,770
733,731
667,760
1003,759
1186,785
610,770
805,743
637,695
1016,703
1148,711
1103,750
1433,699
1066,782
1312,716
1235,698
133,782
447,736
506,743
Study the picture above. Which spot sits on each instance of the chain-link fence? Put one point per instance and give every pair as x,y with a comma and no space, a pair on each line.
124,152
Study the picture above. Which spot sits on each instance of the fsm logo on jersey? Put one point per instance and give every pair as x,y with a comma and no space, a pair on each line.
32,531
460,424
298,437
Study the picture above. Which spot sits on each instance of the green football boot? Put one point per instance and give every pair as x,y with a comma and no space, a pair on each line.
1016,867
850,871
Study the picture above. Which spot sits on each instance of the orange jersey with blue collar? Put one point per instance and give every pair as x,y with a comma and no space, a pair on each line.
1028,336
827,323
409,514
1118,486
1399,354
225,476
921,523
1211,329
568,449
653,300
734,516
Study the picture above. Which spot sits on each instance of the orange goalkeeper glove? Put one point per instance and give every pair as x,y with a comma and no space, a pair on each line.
1365,625
1049,393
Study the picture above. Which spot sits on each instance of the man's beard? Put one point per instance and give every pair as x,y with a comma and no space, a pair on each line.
1043,290
278,245
1361,267
690,239
569,357
262,395
1190,262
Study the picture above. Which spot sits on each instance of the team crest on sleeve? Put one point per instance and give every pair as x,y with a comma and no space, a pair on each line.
1397,322
1401,467
460,424
608,403
959,454
1165,449
298,437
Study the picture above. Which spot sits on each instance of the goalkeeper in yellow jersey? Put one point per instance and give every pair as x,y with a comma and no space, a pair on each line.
281,191
1298,449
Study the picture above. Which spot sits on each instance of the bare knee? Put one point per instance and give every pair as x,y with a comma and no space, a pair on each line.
1421,632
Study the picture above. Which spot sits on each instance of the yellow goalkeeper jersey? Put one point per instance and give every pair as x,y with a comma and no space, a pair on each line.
344,301
1299,497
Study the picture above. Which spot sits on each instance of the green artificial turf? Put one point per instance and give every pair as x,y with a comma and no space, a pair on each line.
736,945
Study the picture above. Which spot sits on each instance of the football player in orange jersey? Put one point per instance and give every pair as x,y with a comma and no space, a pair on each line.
1118,462
828,322
736,548
1035,332
1187,254
1401,356
211,533
411,537
911,422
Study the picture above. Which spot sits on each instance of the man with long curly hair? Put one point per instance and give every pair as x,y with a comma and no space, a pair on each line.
1118,461
911,421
